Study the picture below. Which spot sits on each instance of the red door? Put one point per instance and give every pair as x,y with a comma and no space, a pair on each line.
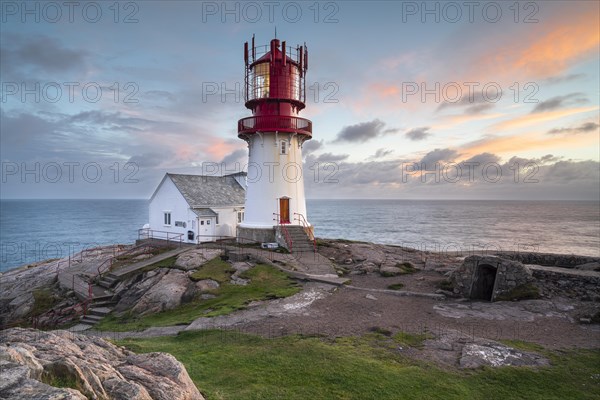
284,210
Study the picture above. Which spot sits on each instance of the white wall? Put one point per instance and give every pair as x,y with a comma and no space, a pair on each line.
168,198
267,184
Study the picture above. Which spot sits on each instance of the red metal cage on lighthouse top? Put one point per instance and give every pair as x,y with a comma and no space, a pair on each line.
275,90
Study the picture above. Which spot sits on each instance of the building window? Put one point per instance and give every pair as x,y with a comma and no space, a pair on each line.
208,222
283,147
240,216
167,218
217,221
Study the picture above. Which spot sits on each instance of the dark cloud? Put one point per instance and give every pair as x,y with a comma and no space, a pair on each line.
472,105
331,158
564,78
417,134
311,146
150,160
239,157
438,155
559,102
380,153
40,53
363,132
583,128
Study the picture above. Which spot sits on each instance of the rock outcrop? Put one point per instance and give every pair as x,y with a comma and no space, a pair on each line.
195,258
34,363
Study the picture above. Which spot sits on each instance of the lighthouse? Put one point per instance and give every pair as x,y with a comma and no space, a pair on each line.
275,93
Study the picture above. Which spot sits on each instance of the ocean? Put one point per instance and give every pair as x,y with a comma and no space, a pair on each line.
35,230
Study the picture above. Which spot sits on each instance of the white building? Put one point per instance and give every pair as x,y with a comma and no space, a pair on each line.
197,208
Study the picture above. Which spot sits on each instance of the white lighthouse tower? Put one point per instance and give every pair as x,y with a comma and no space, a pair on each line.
275,92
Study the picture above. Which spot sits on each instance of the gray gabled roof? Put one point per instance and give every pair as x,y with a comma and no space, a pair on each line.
209,191
204,212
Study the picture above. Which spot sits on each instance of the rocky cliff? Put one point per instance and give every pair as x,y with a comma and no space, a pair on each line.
62,365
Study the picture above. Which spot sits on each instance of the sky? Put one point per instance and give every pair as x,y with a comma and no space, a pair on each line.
409,100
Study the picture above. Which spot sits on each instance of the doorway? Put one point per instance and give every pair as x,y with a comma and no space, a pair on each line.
284,210
483,284
206,230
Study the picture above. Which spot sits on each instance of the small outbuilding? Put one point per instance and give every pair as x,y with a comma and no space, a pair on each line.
490,278
197,208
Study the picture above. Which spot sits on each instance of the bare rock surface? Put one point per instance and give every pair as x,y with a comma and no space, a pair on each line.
173,289
93,367
193,259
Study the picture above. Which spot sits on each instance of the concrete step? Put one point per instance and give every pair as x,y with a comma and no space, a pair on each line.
104,303
103,297
90,319
100,311
105,283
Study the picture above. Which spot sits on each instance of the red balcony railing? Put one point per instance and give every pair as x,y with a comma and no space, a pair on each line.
272,123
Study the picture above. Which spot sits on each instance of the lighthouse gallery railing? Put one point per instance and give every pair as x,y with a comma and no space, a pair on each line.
272,123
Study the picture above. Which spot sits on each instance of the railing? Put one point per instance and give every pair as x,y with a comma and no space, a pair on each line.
272,123
286,235
300,218
147,233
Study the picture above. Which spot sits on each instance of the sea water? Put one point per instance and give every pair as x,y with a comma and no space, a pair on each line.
35,230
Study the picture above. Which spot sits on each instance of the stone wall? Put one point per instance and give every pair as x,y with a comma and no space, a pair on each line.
549,259
509,275
556,281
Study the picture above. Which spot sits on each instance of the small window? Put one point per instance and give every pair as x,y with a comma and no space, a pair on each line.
240,216
202,222
167,218
208,222
217,222
283,147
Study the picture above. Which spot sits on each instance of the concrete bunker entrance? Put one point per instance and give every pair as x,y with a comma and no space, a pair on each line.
483,283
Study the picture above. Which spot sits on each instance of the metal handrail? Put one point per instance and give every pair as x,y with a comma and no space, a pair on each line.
147,233
306,226
286,234
272,123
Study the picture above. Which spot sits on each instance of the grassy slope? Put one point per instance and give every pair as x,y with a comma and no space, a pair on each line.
229,365
266,282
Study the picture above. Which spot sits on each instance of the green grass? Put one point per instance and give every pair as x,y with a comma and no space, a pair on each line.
215,269
44,300
411,339
446,284
522,345
266,282
230,365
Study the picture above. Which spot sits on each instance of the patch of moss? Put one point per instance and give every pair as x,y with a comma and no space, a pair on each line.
396,286
446,284
381,331
406,268
526,291
60,376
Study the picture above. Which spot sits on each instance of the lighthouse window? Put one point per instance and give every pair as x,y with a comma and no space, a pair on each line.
167,216
261,80
283,147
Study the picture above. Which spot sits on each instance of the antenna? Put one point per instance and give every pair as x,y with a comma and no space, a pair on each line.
275,31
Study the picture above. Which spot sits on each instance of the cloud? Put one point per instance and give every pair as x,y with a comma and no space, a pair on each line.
563,78
583,128
311,146
239,157
417,134
559,102
539,117
40,53
381,153
474,103
438,155
364,131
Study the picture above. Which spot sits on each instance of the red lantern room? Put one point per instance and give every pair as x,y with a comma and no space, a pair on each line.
275,90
